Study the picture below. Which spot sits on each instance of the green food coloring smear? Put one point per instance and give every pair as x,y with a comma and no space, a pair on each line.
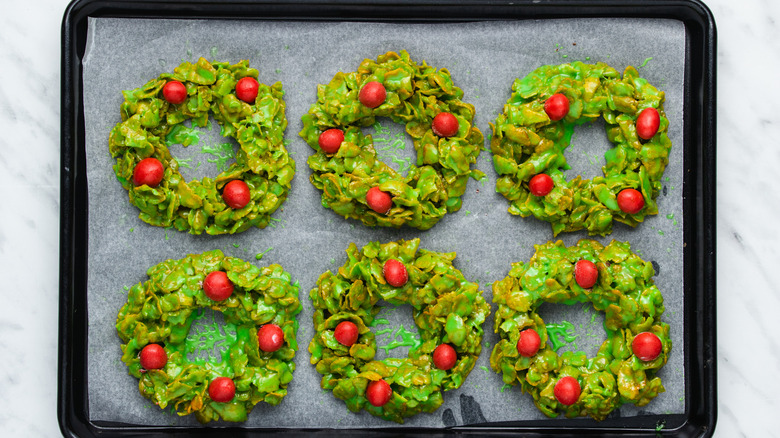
407,339
222,153
379,321
558,334
182,135
208,340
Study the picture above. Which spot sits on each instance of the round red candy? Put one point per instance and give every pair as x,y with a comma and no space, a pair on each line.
647,123
444,357
379,201
330,140
630,201
246,89
372,94
378,393
222,389
395,273
646,346
556,107
528,343
270,337
346,333
236,194
540,185
153,357
445,125
148,171
217,286
567,390
174,92
585,274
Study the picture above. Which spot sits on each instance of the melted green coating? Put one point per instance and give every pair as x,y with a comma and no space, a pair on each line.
526,142
415,95
447,309
162,309
632,304
197,206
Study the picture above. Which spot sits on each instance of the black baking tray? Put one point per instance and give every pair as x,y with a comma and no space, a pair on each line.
698,198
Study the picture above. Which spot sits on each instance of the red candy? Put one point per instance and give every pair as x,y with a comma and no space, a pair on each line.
567,390
236,194
444,357
585,274
246,89
630,201
222,389
174,92
379,201
153,357
540,185
148,171
528,343
378,393
647,123
217,286
646,346
556,107
445,125
395,273
270,337
372,94
330,140
346,333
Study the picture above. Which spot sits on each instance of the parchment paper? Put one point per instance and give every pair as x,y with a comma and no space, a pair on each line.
484,59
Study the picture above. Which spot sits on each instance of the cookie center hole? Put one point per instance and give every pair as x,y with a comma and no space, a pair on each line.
209,337
395,331
578,327
201,152
585,153
392,144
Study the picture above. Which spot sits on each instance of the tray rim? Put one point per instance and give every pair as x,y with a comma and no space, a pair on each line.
698,189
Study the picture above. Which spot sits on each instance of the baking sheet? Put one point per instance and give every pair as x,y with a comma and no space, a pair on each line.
484,58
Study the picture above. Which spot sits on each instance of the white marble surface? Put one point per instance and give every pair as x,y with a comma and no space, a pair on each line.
748,159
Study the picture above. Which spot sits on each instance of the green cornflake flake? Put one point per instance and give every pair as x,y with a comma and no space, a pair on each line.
644,63
260,255
183,135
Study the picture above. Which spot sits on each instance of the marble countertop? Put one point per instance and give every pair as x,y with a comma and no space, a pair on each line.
748,120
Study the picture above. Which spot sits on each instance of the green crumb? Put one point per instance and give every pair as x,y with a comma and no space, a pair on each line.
278,70
661,232
236,245
132,229
587,58
260,255
505,387
467,212
332,261
670,216
286,47
214,52
485,369
125,288
644,63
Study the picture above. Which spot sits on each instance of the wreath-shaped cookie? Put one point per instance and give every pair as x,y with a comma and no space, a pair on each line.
241,197
354,182
258,363
535,128
615,281
448,311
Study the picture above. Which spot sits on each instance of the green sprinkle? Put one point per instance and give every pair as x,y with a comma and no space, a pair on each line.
644,63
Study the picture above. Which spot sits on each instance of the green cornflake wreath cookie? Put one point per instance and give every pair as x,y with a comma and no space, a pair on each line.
160,311
354,182
448,311
619,284
536,126
239,198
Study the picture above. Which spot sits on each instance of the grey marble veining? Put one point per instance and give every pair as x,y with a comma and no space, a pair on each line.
748,159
